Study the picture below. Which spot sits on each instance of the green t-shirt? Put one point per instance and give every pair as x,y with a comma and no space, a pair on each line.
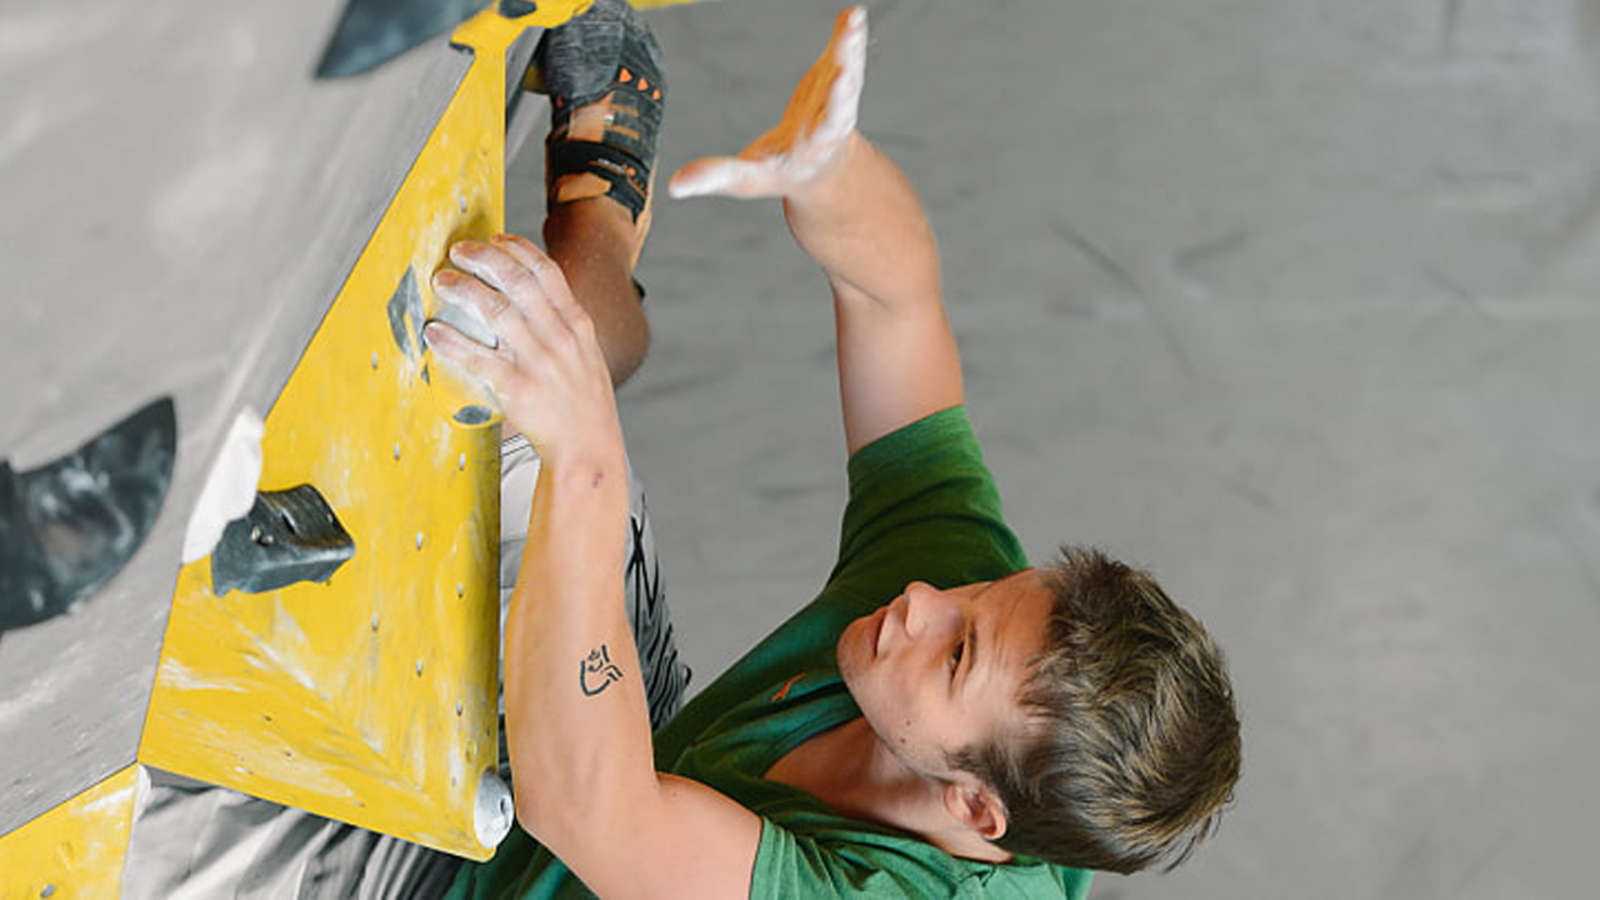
923,506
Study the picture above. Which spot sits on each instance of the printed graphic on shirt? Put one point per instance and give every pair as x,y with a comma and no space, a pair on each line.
783,692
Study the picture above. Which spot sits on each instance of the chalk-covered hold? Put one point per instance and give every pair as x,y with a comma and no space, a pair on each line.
493,811
230,488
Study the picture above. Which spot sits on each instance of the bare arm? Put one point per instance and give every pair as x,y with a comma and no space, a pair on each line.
853,211
897,356
576,718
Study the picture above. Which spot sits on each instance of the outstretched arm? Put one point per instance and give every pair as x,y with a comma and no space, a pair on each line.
852,209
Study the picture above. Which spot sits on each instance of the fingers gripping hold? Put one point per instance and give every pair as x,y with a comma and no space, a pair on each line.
522,296
547,272
496,269
489,365
533,321
548,375
525,252
494,308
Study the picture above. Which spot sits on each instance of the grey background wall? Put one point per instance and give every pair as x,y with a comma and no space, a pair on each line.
1291,301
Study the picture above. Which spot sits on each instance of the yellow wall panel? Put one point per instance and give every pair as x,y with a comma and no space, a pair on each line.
370,698
74,850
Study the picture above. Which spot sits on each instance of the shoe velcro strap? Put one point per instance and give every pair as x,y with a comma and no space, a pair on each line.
628,178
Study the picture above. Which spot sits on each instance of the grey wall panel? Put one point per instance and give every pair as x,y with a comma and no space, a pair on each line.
182,204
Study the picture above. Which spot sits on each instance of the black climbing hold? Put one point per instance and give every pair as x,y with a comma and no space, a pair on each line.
371,32
68,526
287,537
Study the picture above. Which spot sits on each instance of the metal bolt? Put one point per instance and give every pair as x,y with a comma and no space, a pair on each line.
419,540
463,204
374,621
374,360
419,667
259,536
396,449
461,589
461,462
458,707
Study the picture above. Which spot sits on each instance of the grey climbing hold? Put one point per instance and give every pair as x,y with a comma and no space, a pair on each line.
287,537
68,526
405,315
372,32
472,415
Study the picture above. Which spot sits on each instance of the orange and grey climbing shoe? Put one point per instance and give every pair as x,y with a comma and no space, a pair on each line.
602,71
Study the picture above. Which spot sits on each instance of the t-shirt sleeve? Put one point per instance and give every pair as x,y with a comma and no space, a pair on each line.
923,506
789,864
800,864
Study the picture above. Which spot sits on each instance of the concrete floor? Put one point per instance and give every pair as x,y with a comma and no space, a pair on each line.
1291,301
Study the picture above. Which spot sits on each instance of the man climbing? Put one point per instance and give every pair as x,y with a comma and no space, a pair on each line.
941,719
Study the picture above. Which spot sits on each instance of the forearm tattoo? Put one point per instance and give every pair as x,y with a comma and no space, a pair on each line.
596,672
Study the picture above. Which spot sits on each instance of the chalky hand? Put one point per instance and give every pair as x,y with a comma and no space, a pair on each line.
546,369
808,142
